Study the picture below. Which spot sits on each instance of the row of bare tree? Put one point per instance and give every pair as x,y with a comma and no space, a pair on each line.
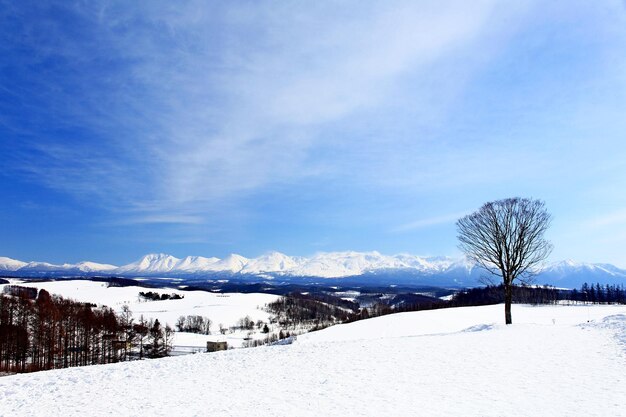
194,324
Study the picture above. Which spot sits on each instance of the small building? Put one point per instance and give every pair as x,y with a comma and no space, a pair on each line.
215,346
121,345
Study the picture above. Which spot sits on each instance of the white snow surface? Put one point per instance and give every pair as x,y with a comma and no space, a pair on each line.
555,361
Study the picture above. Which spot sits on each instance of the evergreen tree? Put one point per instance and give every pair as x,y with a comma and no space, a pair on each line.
155,347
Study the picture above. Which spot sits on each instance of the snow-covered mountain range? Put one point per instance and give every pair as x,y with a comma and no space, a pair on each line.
86,267
323,265
445,270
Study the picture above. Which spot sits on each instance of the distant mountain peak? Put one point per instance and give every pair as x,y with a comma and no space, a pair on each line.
88,266
8,264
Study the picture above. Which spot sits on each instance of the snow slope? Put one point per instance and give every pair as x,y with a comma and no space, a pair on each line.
441,363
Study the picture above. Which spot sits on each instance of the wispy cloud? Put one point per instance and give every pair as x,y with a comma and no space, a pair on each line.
165,219
428,222
194,104
606,220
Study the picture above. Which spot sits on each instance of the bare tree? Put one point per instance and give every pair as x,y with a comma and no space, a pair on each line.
180,324
506,238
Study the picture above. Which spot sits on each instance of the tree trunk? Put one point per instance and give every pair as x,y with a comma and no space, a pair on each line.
508,299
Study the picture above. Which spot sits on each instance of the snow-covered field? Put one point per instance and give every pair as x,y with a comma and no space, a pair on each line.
555,361
226,309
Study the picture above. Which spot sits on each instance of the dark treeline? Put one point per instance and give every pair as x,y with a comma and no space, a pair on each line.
494,294
310,311
597,294
155,296
118,281
48,332
540,295
22,292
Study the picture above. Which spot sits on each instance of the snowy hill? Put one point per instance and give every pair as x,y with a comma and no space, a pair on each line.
555,361
371,266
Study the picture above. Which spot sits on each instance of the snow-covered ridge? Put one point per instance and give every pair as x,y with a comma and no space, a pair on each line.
324,265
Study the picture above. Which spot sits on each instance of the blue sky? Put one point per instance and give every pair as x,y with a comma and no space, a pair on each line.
205,128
